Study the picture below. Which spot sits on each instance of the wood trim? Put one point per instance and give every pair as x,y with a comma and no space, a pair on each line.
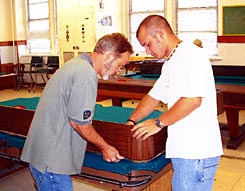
8,81
231,39
7,68
10,43
20,42
6,43
120,94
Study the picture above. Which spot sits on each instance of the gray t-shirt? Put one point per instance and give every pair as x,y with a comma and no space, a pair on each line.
52,143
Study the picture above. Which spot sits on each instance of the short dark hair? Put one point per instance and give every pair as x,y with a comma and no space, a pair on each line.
153,23
115,42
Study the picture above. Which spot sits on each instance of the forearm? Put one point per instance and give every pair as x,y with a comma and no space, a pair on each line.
182,108
110,153
145,107
91,135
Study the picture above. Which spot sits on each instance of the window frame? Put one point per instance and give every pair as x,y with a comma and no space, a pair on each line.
49,35
201,8
174,20
140,50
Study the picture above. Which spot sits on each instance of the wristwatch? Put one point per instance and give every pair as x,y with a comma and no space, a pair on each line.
159,124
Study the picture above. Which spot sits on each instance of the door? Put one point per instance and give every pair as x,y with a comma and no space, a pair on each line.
76,33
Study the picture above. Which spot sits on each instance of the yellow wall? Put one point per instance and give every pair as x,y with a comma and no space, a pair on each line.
19,15
6,21
12,14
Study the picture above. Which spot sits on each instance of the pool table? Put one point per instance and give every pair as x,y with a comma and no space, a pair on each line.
134,86
123,88
109,125
144,163
148,66
230,94
231,80
234,101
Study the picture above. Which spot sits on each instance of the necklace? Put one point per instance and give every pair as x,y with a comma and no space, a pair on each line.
171,54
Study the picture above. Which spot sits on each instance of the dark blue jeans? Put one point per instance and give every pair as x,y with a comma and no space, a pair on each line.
51,182
194,175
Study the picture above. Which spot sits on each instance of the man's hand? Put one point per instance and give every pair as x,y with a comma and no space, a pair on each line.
111,154
145,129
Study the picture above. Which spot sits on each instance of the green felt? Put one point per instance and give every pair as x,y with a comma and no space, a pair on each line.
235,80
29,103
142,76
111,114
117,114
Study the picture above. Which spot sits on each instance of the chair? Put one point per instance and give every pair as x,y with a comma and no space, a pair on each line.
52,65
21,77
37,67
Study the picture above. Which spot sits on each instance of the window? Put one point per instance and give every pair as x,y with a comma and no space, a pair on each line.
38,32
194,20
138,11
198,20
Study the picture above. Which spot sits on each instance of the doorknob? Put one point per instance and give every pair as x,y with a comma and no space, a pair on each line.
75,47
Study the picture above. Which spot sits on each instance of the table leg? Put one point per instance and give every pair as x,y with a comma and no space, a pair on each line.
117,102
14,82
237,134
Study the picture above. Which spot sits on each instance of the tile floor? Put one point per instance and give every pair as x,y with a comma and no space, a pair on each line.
230,175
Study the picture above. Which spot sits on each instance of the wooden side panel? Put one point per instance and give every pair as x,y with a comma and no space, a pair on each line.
120,136
15,120
18,121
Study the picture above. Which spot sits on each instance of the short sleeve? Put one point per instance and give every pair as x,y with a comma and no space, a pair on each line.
160,88
82,101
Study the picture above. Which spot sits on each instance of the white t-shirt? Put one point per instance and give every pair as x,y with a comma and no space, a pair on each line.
188,73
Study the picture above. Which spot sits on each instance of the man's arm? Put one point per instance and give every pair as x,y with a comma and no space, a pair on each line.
182,108
110,153
145,107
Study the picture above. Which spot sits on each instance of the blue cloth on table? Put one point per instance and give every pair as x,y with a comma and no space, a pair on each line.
125,166
96,161
13,140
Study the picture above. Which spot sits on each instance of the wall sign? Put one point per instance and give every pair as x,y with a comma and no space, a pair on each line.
234,20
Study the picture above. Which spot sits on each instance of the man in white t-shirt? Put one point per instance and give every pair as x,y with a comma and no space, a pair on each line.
187,86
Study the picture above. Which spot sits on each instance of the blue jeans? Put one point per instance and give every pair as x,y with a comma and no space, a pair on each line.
51,182
194,175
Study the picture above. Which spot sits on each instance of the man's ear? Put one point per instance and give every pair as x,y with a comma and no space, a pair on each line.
160,36
108,56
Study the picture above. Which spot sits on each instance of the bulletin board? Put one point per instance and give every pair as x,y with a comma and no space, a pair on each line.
234,20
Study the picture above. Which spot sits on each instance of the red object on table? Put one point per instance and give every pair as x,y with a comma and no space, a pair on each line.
19,107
